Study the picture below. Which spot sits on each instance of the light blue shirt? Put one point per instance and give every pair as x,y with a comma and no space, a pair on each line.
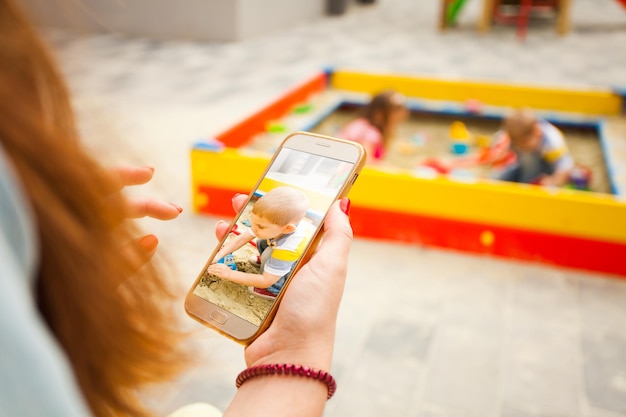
36,379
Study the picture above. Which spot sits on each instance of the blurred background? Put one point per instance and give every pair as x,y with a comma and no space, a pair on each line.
422,332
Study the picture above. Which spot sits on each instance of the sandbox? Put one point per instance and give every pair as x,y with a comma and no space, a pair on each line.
397,201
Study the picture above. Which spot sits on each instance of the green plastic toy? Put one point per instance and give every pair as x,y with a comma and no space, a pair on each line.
453,10
303,108
276,127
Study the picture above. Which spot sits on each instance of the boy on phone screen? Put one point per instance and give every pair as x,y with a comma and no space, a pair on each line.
277,223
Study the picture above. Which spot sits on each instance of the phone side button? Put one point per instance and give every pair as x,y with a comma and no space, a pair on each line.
218,316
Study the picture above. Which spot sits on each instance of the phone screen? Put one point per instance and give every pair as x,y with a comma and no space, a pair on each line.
273,232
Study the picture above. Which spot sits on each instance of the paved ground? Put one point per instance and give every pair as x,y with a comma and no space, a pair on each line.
421,332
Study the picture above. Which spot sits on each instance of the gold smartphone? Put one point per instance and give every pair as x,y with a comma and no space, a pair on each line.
239,288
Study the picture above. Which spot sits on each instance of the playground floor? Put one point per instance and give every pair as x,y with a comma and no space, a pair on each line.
421,332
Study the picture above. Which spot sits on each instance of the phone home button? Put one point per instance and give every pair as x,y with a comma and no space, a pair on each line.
218,316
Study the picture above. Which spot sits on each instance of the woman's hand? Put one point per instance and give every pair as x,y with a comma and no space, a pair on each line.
143,207
303,330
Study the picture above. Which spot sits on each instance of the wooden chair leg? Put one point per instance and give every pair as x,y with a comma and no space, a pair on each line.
487,16
441,24
563,19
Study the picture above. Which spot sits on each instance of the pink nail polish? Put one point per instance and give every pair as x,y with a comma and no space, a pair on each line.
344,205
177,207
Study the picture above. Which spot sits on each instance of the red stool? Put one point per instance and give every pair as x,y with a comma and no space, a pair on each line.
524,10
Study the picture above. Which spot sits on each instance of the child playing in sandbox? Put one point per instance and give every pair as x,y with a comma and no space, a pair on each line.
277,222
377,126
542,154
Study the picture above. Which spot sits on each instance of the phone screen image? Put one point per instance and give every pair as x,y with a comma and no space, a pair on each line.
272,233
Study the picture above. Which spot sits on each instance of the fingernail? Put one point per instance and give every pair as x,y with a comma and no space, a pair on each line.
149,243
177,207
344,205
150,168
236,195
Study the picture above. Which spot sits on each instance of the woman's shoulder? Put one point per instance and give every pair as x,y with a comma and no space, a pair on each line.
35,365
16,222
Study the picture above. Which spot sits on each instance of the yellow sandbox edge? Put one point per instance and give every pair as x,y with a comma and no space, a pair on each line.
558,211
584,101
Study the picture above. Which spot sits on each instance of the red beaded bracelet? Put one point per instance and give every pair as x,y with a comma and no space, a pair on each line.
287,369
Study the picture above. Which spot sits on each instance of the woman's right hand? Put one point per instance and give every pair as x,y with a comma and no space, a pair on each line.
303,330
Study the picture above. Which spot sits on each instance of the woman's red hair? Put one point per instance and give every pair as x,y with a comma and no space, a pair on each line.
109,314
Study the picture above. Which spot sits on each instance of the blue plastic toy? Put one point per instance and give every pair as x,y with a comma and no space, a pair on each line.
210,144
229,261
459,148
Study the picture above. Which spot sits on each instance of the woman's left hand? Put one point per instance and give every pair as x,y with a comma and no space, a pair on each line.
143,206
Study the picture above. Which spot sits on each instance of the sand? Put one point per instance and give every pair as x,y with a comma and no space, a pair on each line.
409,148
233,297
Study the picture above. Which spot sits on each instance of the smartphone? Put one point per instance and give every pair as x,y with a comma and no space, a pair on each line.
240,287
